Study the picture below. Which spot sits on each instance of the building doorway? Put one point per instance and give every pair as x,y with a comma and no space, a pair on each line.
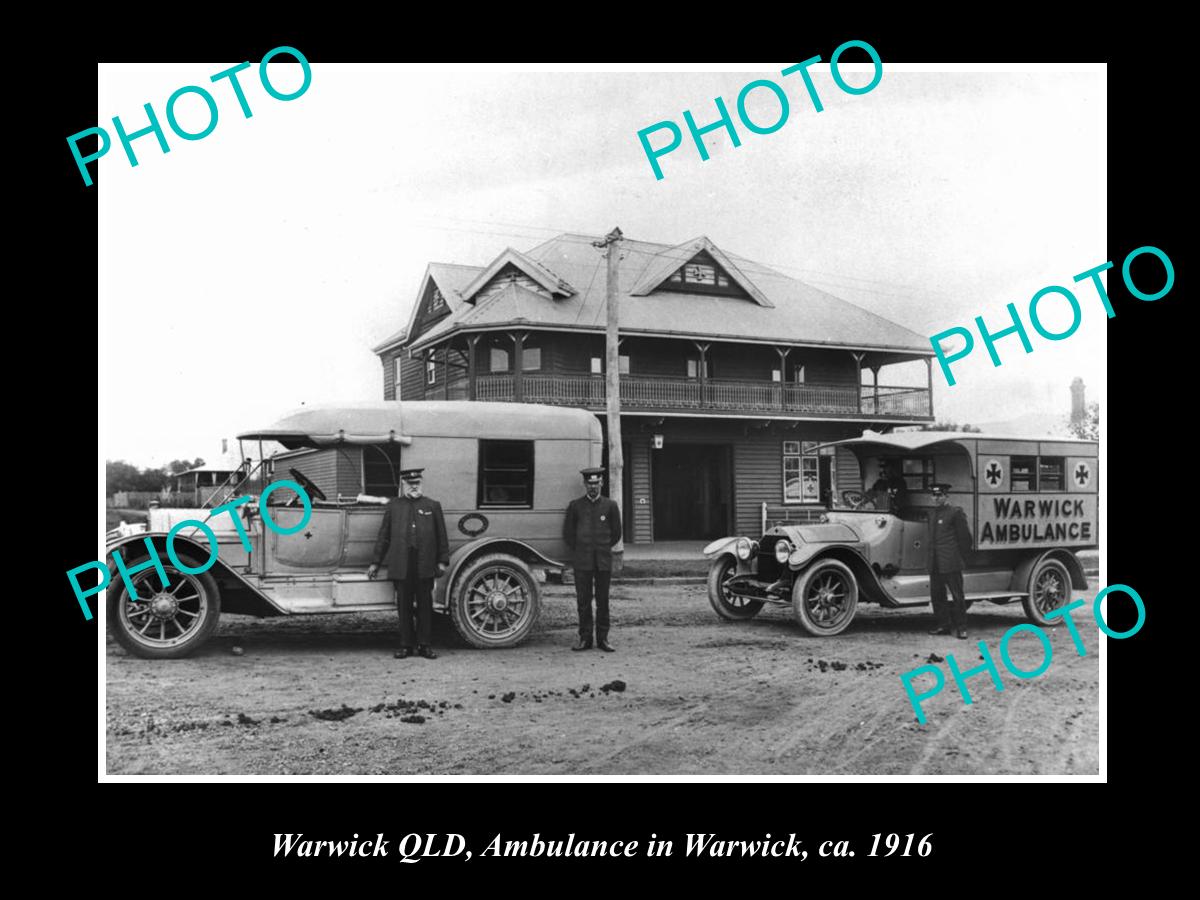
693,491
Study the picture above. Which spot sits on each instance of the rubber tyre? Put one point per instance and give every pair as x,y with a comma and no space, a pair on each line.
476,590
826,574
122,626
734,609
1049,589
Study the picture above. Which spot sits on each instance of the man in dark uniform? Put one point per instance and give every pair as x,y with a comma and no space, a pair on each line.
890,490
412,541
949,543
591,529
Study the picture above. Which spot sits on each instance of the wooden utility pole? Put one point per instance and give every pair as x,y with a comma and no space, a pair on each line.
612,381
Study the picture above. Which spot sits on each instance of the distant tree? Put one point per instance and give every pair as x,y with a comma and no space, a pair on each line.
175,466
1088,428
120,476
152,480
951,425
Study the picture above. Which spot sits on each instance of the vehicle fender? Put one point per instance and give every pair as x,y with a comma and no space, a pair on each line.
468,551
806,552
868,581
1021,574
200,552
720,547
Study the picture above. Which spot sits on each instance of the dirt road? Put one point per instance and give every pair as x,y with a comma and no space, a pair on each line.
685,693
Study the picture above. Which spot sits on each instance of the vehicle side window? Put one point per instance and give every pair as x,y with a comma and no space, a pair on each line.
1050,473
505,473
918,473
1024,473
381,470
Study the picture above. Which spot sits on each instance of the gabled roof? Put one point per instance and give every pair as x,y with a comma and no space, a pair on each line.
554,285
794,313
450,278
670,261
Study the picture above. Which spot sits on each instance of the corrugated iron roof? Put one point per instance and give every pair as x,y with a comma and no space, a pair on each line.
799,313
450,278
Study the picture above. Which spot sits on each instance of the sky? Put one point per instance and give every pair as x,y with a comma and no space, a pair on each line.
250,272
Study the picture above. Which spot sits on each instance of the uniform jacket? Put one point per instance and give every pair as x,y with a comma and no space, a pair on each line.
412,523
949,539
591,529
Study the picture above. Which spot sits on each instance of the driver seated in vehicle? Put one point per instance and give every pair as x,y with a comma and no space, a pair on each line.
889,491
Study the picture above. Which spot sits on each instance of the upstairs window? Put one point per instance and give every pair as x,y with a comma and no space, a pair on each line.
505,474
598,364
430,371
397,374
693,368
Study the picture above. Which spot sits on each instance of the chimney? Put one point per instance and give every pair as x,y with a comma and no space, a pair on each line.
1077,400
225,442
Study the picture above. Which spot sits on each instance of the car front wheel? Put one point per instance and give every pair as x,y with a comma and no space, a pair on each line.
725,604
495,601
825,597
165,621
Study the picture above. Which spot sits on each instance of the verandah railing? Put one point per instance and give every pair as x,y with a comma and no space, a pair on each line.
645,392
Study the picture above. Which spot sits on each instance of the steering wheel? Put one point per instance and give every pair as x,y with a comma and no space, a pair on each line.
854,499
309,488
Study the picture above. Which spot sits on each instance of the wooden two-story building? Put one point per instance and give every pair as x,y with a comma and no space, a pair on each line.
731,372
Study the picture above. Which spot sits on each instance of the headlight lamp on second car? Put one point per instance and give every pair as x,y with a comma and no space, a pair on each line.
783,550
744,548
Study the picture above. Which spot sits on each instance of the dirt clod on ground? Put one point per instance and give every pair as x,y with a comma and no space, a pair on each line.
334,715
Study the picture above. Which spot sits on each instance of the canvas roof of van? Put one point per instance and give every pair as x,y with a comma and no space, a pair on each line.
917,440
400,422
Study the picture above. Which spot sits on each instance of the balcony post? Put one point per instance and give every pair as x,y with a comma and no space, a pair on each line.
875,377
703,373
518,338
858,360
782,394
929,385
472,340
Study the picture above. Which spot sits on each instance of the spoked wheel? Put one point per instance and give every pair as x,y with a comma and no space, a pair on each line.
495,601
727,605
825,597
1049,589
164,622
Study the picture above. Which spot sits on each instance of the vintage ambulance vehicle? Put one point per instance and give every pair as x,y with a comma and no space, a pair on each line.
503,473
1031,504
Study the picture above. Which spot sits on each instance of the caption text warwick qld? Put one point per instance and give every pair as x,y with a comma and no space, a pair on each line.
414,847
